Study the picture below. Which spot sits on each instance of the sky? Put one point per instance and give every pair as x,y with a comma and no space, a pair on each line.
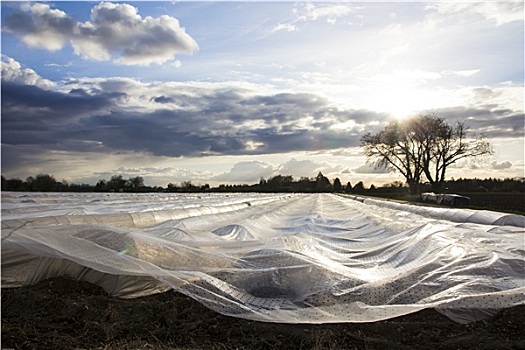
229,92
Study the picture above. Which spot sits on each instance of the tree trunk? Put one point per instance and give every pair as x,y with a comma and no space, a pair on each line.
439,183
413,187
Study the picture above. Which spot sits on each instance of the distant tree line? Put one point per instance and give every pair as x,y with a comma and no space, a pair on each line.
48,183
278,183
485,185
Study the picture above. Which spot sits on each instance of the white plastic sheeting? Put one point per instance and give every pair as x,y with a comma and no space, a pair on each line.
290,258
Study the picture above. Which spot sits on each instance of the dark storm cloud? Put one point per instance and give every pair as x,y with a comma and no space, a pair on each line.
193,133
58,105
31,114
163,99
368,168
503,165
170,119
490,120
214,121
307,100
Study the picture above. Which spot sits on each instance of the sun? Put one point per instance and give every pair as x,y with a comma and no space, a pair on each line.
403,102
399,103
401,111
408,101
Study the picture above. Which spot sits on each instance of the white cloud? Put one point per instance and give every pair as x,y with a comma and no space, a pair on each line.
289,27
309,168
462,73
403,76
329,12
253,171
300,168
506,96
69,64
89,167
499,11
247,172
13,71
115,31
176,64
44,27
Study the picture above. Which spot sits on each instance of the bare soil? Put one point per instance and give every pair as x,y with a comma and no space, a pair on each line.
64,314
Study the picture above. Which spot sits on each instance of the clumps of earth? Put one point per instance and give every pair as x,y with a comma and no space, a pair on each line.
61,313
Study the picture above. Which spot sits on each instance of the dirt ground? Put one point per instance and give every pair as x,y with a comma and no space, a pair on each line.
65,314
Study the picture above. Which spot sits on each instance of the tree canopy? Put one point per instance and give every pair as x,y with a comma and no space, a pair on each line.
424,145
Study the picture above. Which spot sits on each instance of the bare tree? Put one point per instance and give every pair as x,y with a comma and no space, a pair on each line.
397,148
423,145
444,145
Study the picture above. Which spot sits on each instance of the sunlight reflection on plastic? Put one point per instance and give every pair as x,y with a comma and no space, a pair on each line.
289,258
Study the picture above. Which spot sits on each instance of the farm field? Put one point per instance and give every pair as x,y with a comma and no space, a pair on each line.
266,270
496,201
509,202
63,314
